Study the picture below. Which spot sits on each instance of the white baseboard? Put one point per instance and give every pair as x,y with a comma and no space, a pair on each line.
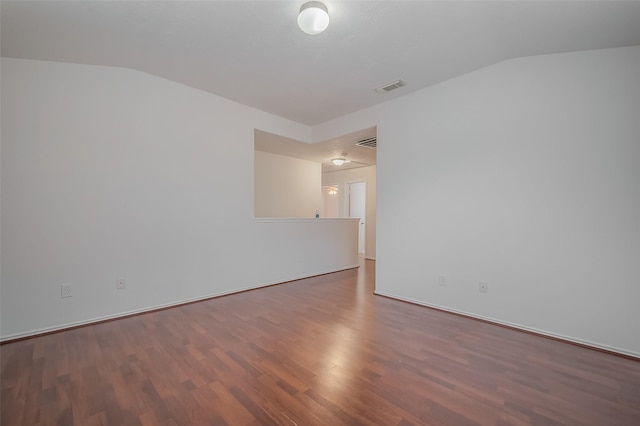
94,320
516,326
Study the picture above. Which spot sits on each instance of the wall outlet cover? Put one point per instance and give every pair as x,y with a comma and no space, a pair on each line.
65,290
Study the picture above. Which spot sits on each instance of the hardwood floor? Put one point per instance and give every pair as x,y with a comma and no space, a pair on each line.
320,351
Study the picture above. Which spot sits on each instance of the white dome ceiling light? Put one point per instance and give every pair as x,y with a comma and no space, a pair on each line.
338,161
313,18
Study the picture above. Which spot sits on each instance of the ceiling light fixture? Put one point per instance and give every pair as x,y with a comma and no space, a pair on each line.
313,18
338,161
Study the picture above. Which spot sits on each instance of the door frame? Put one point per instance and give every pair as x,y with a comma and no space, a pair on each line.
347,199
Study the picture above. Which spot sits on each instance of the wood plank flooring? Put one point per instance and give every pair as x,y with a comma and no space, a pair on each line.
320,351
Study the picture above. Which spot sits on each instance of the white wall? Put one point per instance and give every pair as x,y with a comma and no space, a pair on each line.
524,174
111,173
286,186
341,179
330,202
284,248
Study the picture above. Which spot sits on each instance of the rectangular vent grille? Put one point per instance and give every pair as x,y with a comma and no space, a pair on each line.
369,142
391,86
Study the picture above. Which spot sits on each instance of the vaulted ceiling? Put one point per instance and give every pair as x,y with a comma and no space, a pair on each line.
252,52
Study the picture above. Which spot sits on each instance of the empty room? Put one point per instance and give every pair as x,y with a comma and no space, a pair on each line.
320,213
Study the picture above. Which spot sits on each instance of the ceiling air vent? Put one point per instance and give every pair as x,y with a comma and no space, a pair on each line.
391,86
369,142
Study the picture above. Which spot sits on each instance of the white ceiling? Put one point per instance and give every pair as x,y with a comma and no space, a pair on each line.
252,52
321,152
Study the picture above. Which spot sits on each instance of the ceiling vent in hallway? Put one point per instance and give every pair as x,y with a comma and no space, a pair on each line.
390,86
369,142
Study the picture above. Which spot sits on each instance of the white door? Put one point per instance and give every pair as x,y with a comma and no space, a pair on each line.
357,203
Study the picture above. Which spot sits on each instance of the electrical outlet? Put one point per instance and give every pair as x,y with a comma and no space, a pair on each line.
483,287
65,290
120,283
442,280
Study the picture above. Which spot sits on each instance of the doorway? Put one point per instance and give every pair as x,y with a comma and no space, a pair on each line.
357,193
